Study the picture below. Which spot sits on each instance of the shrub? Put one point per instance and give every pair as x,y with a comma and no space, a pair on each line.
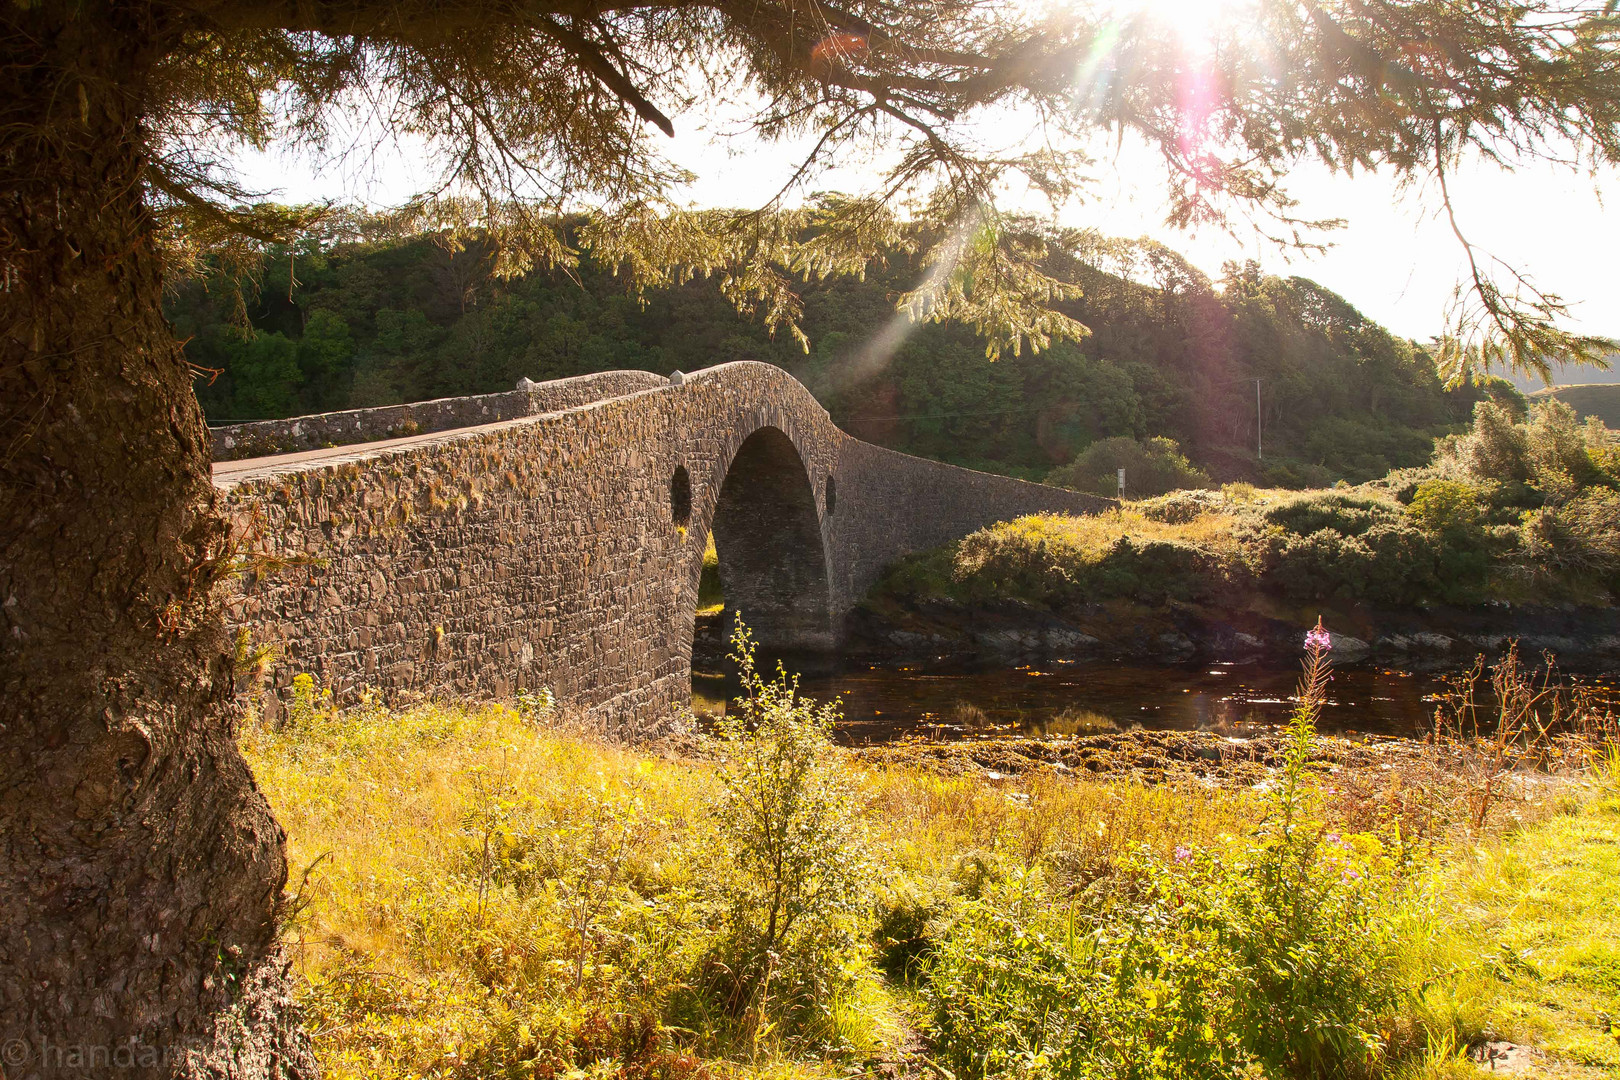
795,875
900,929
1182,507
1556,450
1151,468
1347,512
1582,536
1547,456
1440,507
1493,448
1054,559
1402,484
1389,563
1275,951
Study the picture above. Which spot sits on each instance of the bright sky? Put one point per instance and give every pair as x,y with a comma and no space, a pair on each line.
1396,260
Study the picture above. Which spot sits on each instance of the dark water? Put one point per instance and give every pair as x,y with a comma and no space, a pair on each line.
1086,697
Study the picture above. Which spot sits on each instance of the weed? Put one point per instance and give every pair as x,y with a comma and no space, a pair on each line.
1532,717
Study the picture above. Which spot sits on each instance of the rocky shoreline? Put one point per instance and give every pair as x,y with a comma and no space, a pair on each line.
887,630
1149,756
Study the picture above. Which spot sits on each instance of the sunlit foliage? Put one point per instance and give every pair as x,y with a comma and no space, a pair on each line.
537,110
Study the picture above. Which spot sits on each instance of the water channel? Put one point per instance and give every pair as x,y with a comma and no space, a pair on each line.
1057,697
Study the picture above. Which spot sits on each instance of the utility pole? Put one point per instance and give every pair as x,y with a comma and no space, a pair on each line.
1259,447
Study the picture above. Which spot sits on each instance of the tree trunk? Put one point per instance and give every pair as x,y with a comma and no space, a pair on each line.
140,867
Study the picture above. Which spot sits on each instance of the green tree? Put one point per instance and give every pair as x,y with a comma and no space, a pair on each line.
267,376
1151,468
147,867
324,353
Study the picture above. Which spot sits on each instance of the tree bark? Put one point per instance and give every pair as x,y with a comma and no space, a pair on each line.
140,867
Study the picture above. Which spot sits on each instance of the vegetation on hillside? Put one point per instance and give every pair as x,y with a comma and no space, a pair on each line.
494,893
1171,354
1515,507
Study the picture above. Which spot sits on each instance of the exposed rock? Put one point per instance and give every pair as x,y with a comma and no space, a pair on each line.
1069,642
1349,648
1500,1056
1176,646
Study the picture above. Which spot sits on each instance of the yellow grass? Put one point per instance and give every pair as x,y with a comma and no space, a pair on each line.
454,850
1527,945
424,952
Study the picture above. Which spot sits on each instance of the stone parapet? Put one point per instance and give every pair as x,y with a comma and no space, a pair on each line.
232,442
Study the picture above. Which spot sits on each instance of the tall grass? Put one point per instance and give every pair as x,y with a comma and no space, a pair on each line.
492,892
486,890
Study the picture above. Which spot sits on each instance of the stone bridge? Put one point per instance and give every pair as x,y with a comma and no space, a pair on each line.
560,545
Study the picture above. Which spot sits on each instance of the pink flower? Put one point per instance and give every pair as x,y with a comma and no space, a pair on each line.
1332,838
1352,875
1318,640
1183,853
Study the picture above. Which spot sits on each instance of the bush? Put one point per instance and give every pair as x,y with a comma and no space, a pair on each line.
1494,447
1274,951
1582,536
1547,456
1346,512
1556,454
1181,507
1297,474
1442,507
797,878
1053,559
1389,563
1151,468
900,930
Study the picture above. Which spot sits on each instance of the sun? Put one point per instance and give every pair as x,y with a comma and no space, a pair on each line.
1197,23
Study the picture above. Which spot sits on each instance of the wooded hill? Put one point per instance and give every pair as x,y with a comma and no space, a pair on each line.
344,322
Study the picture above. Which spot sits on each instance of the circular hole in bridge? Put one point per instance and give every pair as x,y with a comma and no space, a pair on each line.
680,496
832,495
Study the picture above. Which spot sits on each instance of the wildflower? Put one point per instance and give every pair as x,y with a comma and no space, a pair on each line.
1332,838
1352,875
1318,640
1183,853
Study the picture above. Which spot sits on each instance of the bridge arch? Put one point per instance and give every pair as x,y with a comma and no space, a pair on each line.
773,552
556,542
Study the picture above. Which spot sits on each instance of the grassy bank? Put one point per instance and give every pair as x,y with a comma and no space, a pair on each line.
491,892
1517,509
488,891
1526,948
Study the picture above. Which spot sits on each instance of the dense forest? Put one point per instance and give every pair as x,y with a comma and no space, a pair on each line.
347,319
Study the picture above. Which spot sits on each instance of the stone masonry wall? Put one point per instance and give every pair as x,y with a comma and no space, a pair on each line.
545,550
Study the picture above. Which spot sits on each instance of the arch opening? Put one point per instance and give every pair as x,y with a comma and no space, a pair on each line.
680,496
772,557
